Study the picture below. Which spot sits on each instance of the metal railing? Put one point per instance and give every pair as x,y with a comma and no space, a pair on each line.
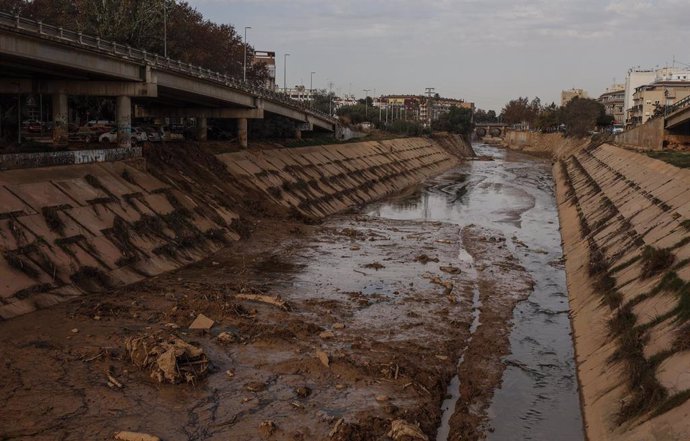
685,102
67,36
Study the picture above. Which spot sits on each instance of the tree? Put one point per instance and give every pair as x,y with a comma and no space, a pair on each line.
322,101
521,110
550,118
581,115
457,120
482,116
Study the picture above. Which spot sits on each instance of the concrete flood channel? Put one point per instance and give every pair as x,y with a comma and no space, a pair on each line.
397,316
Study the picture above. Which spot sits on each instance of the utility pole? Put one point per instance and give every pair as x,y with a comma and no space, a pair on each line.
311,89
285,72
245,52
165,30
366,103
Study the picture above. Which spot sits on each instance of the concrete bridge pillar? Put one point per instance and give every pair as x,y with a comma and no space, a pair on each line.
201,128
242,132
123,109
60,122
298,134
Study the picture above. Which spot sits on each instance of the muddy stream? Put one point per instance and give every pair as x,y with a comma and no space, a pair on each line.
513,194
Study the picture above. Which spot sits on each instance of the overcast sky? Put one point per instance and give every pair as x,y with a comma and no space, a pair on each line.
485,51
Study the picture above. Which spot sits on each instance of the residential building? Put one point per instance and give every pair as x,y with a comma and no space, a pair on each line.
568,95
613,101
300,93
269,59
419,107
639,77
651,98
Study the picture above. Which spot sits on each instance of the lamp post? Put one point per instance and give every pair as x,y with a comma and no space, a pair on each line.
165,30
285,72
311,89
366,103
245,52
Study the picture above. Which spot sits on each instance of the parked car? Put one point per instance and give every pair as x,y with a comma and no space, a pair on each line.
88,134
153,134
138,135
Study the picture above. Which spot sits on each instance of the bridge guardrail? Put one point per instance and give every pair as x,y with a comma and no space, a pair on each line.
685,102
124,51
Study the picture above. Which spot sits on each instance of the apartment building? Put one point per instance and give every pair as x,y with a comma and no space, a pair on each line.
613,101
651,98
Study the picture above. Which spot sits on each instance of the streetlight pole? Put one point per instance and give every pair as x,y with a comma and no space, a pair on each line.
311,89
165,30
245,52
366,103
285,72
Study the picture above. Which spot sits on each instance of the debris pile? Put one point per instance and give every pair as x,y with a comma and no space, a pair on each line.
170,359
401,430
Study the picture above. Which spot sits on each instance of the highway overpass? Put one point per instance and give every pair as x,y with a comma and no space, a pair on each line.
38,58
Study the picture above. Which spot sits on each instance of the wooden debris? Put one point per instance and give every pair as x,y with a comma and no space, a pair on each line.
135,436
202,322
261,298
323,358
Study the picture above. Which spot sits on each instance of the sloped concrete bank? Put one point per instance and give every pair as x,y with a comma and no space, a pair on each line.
319,181
625,226
67,230
553,145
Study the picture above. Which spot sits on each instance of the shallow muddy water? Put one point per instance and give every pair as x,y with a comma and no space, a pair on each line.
514,196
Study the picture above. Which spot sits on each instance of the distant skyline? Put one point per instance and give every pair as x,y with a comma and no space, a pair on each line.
484,51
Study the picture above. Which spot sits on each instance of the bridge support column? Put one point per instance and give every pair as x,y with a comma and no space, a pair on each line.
298,134
60,123
242,132
123,110
201,128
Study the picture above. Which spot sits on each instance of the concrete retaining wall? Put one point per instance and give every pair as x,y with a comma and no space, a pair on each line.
629,323
81,228
70,229
543,144
318,181
13,161
648,136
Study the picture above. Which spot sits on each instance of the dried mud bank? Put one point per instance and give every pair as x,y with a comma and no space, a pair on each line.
625,222
73,229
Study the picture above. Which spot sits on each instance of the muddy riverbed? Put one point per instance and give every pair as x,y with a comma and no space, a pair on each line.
399,316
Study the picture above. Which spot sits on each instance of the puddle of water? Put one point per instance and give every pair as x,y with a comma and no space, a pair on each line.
514,195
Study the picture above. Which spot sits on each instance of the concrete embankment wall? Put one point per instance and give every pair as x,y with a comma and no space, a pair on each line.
67,230
543,144
648,136
625,223
319,181
72,229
